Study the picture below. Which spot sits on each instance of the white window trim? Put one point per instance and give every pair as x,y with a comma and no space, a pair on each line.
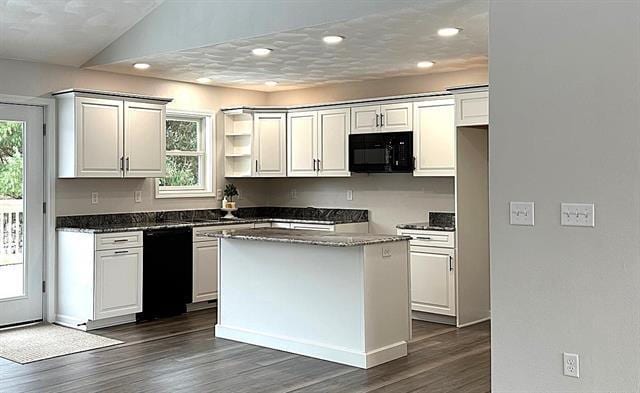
209,144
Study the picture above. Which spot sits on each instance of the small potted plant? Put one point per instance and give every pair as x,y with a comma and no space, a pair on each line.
230,191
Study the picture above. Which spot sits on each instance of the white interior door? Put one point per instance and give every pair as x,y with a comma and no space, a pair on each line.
21,217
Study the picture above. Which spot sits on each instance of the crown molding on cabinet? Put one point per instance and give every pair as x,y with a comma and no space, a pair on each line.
112,94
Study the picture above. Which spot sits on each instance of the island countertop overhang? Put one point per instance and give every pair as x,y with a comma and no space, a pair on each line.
309,237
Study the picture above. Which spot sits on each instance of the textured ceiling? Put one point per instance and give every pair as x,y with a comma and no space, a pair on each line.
376,46
67,32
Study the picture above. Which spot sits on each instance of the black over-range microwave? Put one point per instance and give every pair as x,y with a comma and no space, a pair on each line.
382,152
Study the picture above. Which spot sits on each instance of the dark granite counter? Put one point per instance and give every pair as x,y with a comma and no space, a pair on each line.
424,226
104,223
297,236
438,221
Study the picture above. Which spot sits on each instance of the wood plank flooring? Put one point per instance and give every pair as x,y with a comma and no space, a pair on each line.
180,354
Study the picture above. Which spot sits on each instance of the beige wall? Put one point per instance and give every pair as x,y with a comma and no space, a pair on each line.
380,87
116,195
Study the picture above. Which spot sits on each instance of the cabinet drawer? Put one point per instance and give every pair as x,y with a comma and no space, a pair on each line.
197,232
429,238
312,227
262,225
111,241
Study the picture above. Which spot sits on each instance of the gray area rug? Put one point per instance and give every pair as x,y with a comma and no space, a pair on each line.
43,341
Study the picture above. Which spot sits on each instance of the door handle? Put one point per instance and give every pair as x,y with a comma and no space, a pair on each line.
450,263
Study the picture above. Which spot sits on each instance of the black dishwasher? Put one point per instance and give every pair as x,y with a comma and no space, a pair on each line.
167,273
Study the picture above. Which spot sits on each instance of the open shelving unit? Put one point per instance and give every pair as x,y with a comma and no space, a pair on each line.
238,140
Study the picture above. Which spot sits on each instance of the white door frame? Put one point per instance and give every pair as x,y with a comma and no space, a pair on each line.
50,170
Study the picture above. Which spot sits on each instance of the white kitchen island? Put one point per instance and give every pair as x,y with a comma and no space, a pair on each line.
333,296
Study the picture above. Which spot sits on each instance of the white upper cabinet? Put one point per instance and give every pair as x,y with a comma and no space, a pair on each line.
382,118
302,144
270,145
144,144
99,131
333,143
472,108
396,117
434,138
365,119
101,135
318,143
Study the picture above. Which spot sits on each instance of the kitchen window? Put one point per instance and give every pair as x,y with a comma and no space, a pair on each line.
189,162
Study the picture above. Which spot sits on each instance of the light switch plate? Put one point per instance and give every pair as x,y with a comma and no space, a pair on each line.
521,213
94,198
577,215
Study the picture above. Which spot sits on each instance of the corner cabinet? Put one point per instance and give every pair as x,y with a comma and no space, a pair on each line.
434,137
318,143
109,135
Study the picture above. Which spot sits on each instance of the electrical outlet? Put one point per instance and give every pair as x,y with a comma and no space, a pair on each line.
577,215
137,196
293,194
386,252
94,198
219,194
349,195
521,213
571,365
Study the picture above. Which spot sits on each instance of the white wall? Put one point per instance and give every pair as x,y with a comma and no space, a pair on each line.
391,198
116,195
565,126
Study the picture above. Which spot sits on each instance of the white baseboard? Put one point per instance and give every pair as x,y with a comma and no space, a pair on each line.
201,306
316,350
474,322
85,325
436,318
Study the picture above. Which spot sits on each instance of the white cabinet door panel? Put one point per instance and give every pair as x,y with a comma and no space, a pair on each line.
144,139
434,138
205,271
472,109
118,283
432,281
100,129
270,145
396,117
364,119
333,142
302,146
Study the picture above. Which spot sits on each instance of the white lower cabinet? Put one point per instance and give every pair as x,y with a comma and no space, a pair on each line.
118,280
205,271
99,279
433,271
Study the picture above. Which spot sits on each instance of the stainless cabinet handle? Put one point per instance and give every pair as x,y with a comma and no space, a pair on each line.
314,164
423,237
127,166
121,252
377,124
256,165
120,240
318,165
122,163
381,120
450,263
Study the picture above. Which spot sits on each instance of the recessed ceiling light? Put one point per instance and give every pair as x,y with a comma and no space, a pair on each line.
448,31
425,64
271,83
261,51
203,80
141,66
332,39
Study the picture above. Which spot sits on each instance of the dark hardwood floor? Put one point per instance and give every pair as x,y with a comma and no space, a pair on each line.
181,355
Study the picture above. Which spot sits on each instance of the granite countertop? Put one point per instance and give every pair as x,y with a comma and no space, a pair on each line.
204,218
298,236
424,226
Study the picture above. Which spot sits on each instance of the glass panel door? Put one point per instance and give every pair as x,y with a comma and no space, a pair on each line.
21,218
